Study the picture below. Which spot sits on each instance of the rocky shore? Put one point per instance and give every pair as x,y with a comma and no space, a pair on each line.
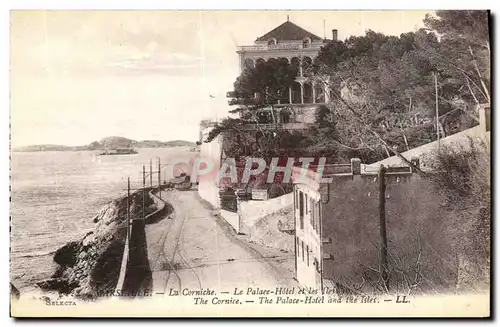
89,268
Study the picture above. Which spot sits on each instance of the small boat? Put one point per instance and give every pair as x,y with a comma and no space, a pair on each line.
118,152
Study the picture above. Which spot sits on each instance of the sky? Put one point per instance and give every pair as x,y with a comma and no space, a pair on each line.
79,76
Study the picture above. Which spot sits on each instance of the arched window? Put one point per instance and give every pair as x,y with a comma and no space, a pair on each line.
259,61
295,63
272,61
306,63
283,60
296,93
306,43
271,42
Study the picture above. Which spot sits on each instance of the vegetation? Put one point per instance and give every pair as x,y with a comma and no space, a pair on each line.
465,182
385,91
383,88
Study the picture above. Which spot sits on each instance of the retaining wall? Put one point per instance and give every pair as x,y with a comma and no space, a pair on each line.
232,218
135,273
208,186
418,231
426,153
250,212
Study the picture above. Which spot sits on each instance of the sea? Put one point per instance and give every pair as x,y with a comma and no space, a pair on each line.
56,194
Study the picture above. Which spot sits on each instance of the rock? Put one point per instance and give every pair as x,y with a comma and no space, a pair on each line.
59,272
57,284
66,256
14,292
88,240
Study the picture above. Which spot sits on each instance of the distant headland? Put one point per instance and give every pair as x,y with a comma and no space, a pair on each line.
107,143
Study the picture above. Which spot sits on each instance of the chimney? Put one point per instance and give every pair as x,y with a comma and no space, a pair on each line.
334,35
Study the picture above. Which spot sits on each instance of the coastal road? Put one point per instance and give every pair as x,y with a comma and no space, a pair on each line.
194,249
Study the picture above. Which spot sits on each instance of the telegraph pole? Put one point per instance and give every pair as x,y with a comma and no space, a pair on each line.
128,208
143,189
383,229
159,178
437,110
151,172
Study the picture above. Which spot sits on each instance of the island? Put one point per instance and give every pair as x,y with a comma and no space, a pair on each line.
110,144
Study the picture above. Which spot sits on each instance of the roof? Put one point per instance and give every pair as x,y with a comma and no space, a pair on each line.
288,31
178,180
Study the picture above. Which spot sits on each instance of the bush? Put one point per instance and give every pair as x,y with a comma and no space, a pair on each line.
465,179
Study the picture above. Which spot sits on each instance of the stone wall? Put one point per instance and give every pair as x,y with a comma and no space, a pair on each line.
275,230
252,211
208,187
416,231
232,218
135,273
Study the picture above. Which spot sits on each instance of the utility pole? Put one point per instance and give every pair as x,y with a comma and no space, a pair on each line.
143,189
383,229
159,178
128,208
151,172
437,111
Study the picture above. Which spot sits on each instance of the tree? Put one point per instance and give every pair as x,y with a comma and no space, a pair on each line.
471,26
255,89
382,85
465,50
386,84
268,81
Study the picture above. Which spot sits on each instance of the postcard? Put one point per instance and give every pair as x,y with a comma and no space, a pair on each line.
209,163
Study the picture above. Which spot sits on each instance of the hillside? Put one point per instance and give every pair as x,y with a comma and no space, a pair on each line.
107,143
159,144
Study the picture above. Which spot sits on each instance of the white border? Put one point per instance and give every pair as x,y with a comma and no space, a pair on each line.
7,5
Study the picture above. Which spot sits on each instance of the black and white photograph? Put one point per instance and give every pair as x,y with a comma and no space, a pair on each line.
250,163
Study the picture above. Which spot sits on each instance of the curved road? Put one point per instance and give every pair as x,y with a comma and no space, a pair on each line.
193,249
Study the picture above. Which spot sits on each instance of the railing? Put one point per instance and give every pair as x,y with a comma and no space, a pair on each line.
271,126
333,169
286,46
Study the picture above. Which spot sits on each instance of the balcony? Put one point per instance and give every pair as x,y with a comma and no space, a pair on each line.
271,126
284,46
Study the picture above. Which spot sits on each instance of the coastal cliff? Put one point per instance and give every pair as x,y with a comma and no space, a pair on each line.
89,268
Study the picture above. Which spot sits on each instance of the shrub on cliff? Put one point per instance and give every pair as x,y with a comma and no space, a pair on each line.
465,181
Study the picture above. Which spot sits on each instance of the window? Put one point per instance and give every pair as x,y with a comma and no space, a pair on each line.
313,215
305,200
302,250
297,248
301,210
307,249
271,42
306,43
317,208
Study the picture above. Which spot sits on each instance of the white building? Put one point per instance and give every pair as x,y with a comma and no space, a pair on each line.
299,47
